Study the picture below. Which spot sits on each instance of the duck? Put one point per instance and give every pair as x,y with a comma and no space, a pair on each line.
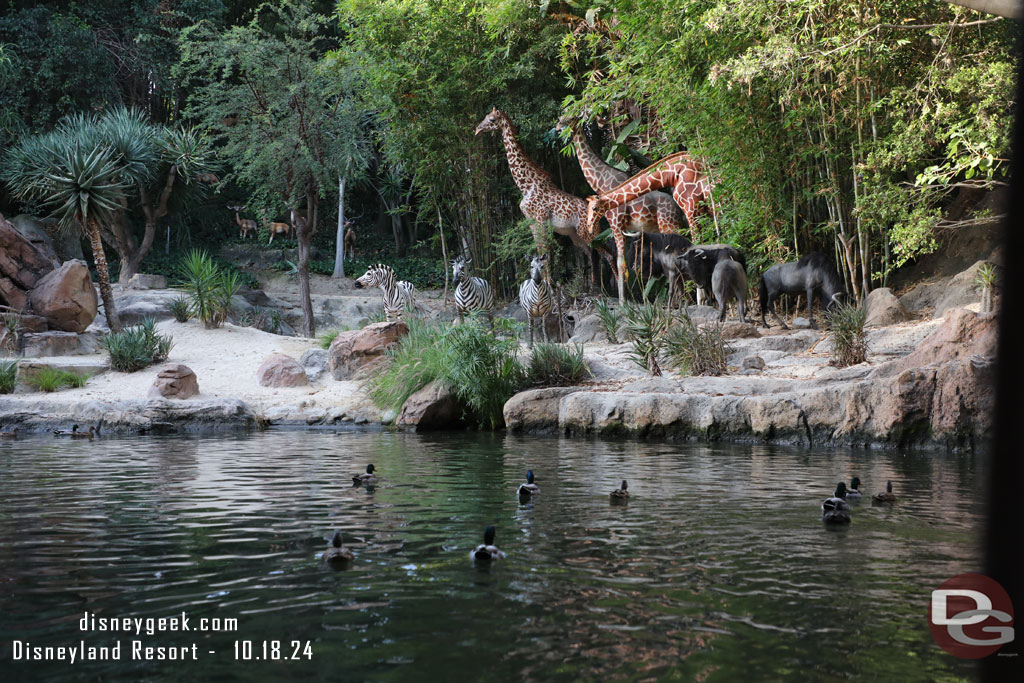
853,491
529,488
365,479
337,555
10,434
620,494
887,497
64,432
836,510
85,435
486,551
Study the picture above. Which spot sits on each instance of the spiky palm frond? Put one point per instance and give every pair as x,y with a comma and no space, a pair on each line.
189,149
133,141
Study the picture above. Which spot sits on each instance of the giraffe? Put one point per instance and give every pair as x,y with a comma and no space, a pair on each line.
691,188
647,213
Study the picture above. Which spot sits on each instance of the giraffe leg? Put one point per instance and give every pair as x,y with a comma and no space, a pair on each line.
620,250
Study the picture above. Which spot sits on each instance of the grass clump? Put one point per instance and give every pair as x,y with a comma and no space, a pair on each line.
554,365
210,288
181,310
645,325
609,318
695,350
137,347
846,332
325,339
8,375
50,379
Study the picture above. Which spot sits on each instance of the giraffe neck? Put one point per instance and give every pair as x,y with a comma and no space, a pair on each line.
525,172
599,175
656,176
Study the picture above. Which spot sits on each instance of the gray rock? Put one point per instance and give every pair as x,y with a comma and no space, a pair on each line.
314,361
145,281
588,329
135,305
753,363
883,308
432,407
800,322
29,368
961,290
56,343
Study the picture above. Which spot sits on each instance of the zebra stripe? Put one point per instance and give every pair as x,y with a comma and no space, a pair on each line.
471,293
396,294
535,298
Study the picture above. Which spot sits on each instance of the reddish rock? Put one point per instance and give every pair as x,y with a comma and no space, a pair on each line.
884,308
174,380
22,265
66,297
280,370
357,353
734,329
432,407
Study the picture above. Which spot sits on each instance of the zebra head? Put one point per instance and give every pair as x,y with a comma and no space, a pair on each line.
537,264
377,275
459,268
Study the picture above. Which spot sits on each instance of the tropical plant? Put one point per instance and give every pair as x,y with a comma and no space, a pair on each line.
986,282
846,332
645,325
209,288
694,349
137,347
51,379
8,375
181,309
554,365
609,318
417,361
10,326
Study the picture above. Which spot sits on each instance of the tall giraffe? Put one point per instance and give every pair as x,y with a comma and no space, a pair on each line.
691,188
647,213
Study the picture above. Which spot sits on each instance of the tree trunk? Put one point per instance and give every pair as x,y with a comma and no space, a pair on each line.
339,249
304,237
103,275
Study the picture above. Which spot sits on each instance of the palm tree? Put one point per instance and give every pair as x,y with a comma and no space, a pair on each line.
80,183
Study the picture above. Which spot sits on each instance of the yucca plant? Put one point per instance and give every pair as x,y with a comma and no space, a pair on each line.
200,278
181,310
846,332
10,325
137,347
8,375
986,282
695,350
609,318
645,324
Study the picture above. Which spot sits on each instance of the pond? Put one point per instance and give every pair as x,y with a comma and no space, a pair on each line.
717,568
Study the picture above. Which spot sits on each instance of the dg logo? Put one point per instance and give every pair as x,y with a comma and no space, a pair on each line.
971,616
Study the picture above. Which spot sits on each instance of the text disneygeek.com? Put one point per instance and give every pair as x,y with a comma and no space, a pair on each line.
142,650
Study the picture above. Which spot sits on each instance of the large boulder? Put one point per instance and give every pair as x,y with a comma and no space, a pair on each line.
146,281
174,380
136,304
66,297
884,308
588,329
432,407
56,343
280,370
961,290
536,410
64,245
22,265
355,354
314,361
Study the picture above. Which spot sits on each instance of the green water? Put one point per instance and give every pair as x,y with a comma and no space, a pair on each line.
717,569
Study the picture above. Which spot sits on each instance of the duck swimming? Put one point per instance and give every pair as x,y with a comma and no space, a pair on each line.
887,497
529,488
487,551
365,479
853,492
64,432
337,555
836,510
84,435
11,434
620,494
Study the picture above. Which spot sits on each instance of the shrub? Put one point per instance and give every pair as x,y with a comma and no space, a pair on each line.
846,332
609,318
137,347
325,339
200,278
416,362
10,322
8,375
181,310
695,350
50,379
645,324
554,365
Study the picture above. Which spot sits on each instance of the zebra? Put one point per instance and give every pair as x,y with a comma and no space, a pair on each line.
535,296
471,293
397,295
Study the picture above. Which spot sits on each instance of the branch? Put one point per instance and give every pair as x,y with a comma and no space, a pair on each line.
951,23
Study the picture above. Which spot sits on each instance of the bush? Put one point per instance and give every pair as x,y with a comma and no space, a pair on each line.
209,286
137,347
181,310
609,318
8,375
645,325
694,350
846,332
50,379
554,365
325,339
416,362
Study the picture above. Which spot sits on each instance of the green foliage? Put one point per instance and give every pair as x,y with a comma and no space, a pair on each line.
181,308
209,288
137,347
51,379
554,365
695,350
10,323
325,339
8,375
645,326
418,360
986,278
846,332
609,318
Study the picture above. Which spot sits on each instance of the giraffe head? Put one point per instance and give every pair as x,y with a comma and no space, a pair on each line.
596,207
459,265
492,121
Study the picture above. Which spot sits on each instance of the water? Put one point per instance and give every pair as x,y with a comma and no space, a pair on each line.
717,569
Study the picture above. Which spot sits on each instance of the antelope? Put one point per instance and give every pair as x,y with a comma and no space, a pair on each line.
350,240
245,225
276,228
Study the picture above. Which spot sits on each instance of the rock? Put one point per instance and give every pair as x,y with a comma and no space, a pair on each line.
790,341
432,407
702,314
280,370
174,380
961,336
314,361
356,353
34,231
734,329
56,343
961,290
66,297
144,281
800,322
588,329
65,245
22,266
31,323
924,295
884,308
135,305
753,363
535,411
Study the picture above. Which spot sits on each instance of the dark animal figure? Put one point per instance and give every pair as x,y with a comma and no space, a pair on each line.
337,555
727,281
814,272
653,254
698,262
836,510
